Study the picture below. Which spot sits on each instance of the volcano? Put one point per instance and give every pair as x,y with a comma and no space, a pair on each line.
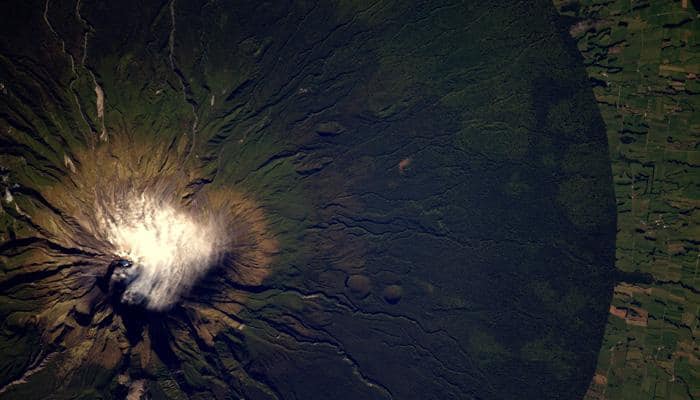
299,200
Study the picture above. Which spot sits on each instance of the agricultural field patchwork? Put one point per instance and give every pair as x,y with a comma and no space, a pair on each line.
643,58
